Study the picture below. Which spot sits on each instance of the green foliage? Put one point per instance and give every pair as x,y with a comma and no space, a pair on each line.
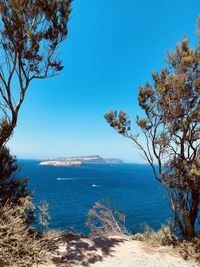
11,188
30,27
43,210
34,214
103,219
171,130
30,33
14,190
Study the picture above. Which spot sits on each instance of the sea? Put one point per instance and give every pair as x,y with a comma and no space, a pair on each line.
72,191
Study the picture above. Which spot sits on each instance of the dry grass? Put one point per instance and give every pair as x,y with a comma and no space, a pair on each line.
189,250
104,220
163,237
19,246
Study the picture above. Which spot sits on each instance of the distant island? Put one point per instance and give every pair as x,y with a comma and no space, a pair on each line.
77,161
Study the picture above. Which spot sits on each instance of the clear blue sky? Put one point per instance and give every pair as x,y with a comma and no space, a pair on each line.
112,47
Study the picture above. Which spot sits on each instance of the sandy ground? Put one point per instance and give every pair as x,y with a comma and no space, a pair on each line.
113,252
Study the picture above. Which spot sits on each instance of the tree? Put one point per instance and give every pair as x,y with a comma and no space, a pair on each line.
14,190
169,136
11,188
30,33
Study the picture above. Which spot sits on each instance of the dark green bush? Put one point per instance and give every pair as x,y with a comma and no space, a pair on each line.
11,187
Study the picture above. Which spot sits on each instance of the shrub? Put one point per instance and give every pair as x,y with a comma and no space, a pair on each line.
103,219
12,188
189,249
19,246
162,237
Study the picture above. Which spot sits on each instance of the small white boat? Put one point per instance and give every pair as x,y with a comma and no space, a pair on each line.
94,185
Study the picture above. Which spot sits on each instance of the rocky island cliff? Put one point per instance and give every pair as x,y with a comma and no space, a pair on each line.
77,161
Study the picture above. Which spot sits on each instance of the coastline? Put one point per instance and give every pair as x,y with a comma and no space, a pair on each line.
77,161
60,163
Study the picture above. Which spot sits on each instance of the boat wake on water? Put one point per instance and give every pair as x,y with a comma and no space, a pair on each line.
71,178
67,178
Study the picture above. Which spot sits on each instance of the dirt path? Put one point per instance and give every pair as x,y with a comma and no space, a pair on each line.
114,252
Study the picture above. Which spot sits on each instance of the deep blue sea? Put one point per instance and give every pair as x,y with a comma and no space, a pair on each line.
131,187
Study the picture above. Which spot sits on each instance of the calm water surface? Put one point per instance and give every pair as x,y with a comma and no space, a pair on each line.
69,192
